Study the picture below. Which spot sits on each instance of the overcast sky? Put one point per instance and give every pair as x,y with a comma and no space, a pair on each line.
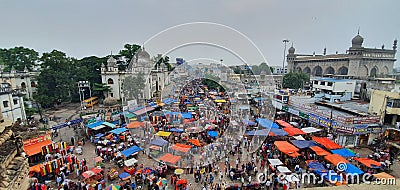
95,27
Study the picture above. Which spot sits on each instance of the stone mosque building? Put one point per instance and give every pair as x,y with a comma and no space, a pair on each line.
358,62
156,76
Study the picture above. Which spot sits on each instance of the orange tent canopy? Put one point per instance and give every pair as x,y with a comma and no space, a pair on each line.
170,158
36,148
283,123
319,151
134,125
368,162
293,131
287,148
335,159
182,147
35,168
195,142
326,143
383,175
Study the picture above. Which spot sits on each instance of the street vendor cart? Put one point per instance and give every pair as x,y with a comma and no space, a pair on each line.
112,174
130,166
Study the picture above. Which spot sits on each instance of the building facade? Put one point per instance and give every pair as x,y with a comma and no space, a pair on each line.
155,76
357,62
333,90
24,81
385,104
11,103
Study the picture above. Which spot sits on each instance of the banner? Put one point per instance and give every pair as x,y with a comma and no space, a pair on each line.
313,118
41,138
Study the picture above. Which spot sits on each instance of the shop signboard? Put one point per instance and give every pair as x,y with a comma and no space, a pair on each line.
344,129
324,122
293,111
360,129
313,118
366,120
41,138
285,108
376,130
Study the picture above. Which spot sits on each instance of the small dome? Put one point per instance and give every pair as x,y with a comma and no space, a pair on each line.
110,101
111,62
142,54
291,50
357,41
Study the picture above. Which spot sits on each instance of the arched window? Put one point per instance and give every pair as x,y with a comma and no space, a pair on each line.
110,81
23,85
33,84
343,70
374,72
317,71
330,70
307,70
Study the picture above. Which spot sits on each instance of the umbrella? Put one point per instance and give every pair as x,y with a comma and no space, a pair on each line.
179,171
113,187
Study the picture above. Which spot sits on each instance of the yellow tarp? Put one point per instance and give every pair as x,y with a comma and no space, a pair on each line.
163,133
220,101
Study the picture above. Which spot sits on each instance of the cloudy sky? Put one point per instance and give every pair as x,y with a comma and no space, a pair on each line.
236,31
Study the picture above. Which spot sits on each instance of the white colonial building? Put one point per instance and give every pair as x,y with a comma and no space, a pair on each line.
24,81
156,76
11,103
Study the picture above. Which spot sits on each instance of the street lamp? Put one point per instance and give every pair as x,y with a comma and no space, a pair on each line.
283,61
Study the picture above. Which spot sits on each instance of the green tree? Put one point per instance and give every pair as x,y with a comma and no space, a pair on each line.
295,80
19,58
57,80
133,86
164,60
100,88
129,51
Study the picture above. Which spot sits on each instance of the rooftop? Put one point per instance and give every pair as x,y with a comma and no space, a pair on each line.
332,79
342,109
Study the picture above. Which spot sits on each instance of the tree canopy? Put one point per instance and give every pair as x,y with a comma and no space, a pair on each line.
133,86
295,80
19,58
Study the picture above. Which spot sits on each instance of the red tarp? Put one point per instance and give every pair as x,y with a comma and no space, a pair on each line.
182,147
170,158
283,123
293,131
335,159
195,142
368,162
134,125
319,151
326,143
36,148
287,148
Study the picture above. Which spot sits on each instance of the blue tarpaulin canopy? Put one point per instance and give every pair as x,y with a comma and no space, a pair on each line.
159,142
99,135
344,152
212,133
124,175
95,124
186,115
316,166
263,132
131,150
278,132
351,169
266,123
248,122
176,130
119,130
109,124
303,143
169,101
